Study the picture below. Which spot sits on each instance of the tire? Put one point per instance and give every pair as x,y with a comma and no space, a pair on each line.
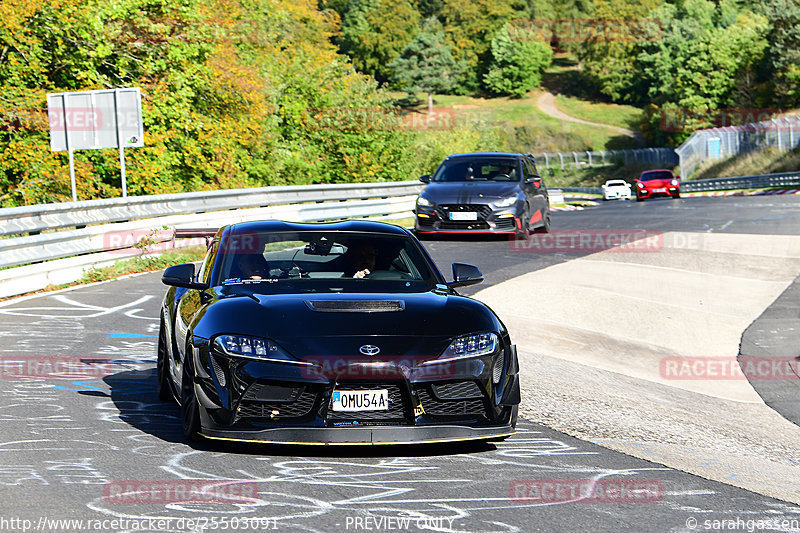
162,372
639,199
190,412
676,195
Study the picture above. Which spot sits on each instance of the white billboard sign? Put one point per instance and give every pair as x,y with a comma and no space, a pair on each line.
94,120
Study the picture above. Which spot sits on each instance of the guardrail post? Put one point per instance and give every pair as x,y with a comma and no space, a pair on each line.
561,156
588,153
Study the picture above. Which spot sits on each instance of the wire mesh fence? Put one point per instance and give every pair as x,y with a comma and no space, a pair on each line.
665,157
713,144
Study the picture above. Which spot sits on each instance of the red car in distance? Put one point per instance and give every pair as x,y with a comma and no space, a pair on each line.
657,183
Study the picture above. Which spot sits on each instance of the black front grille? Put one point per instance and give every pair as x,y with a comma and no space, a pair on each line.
398,412
280,405
459,390
471,225
432,406
444,210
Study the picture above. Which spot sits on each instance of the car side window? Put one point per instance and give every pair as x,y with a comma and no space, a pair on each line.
208,263
533,167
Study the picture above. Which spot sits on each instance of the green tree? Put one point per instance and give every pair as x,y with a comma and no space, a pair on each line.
375,32
470,26
782,70
426,64
609,58
517,64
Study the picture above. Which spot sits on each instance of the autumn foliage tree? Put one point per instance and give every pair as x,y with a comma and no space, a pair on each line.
232,95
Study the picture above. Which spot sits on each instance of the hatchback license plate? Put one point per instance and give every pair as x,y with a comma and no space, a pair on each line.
662,189
464,215
360,400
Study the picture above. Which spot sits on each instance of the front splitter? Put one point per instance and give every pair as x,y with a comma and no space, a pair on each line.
360,436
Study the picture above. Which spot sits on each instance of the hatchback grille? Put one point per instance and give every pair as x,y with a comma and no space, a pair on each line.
443,210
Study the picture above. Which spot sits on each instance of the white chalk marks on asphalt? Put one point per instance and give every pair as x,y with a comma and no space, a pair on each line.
75,309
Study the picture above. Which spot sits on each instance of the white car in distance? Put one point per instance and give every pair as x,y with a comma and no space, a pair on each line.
616,189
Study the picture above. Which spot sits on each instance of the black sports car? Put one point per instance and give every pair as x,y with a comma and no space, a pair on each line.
484,193
342,333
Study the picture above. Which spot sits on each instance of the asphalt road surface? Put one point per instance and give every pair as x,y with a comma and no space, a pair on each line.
101,449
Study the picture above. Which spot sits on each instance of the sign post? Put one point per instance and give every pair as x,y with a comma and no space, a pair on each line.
94,120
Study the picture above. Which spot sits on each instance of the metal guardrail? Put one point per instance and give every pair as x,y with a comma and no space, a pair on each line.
761,181
37,218
782,179
108,230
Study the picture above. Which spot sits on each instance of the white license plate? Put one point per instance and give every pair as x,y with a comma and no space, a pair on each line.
662,189
360,400
464,215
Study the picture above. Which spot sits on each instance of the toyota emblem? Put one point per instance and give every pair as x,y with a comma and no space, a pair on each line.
369,349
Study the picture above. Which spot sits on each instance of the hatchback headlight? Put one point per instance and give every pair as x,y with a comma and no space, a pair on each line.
506,202
472,345
424,202
674,182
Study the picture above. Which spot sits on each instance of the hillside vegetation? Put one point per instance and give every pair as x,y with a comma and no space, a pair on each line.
240,93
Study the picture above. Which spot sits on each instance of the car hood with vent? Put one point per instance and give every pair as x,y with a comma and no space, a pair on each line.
313,324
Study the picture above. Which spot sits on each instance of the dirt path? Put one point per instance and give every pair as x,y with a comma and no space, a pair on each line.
546,102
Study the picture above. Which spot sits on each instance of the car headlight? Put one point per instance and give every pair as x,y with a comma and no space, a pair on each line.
505,202
472,345
424,202
252,347
674,182
640,185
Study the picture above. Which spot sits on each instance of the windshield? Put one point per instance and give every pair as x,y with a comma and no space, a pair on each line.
335,261
663,175
477,169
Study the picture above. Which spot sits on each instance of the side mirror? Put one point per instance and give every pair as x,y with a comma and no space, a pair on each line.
465,275
677,177
182,276
425,178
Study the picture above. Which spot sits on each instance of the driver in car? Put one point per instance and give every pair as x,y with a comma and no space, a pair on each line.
503,172
252,266
362,260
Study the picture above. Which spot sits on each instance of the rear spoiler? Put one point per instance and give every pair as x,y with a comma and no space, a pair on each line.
191,233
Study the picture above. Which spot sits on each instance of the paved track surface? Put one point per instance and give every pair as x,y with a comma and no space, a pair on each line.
66,442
